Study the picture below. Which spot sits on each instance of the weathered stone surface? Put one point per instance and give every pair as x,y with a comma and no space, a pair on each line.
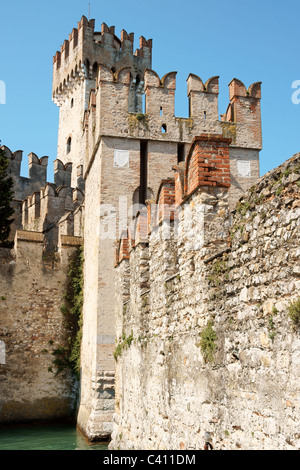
98,84
32,327
248,397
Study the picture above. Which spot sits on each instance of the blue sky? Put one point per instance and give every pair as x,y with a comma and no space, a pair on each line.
252,41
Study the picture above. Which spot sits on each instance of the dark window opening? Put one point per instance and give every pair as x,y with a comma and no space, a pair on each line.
204,114
143,171
69,143
95,70
72,103
163,128
180,152
137,92
160,111
87,64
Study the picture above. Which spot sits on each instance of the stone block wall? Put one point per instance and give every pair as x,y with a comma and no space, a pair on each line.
208,345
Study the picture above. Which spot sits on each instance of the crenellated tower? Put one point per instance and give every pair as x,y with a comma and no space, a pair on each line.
118,129
121,153
75,69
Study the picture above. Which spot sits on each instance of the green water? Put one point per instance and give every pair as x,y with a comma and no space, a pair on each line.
58,437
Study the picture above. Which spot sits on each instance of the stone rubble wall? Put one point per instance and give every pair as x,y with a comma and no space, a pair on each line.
247,395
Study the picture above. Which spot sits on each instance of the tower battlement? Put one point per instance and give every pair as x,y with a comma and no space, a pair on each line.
37,172
157,121
38,204
46,207
79,55
14,161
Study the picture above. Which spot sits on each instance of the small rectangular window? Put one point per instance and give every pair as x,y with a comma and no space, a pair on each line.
180,152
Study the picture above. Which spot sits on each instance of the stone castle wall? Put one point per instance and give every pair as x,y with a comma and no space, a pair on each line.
240,272
129,153
32,327
114,151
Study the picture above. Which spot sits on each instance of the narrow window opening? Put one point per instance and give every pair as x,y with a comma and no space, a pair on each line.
143,171
204,114
163,128
69,143
72,103
87,64
95,70
160,111
144,103
137,95
180,152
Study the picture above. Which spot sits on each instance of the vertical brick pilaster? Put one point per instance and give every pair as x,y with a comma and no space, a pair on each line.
122,248
166,200
141,227
207,163
245,109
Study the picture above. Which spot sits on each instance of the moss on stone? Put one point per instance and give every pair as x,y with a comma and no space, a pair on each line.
208,344
124,343
294,312
68,356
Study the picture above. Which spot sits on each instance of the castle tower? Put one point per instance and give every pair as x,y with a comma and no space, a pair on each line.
123,152
75,68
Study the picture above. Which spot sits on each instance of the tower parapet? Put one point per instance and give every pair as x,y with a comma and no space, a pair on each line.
79,55
157,121
62,173
203,98
75,70
37,168
37,172
14,161
244,110
160,93
22,186
51,212
38,204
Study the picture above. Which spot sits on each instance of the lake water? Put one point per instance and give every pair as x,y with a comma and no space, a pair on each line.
56,437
